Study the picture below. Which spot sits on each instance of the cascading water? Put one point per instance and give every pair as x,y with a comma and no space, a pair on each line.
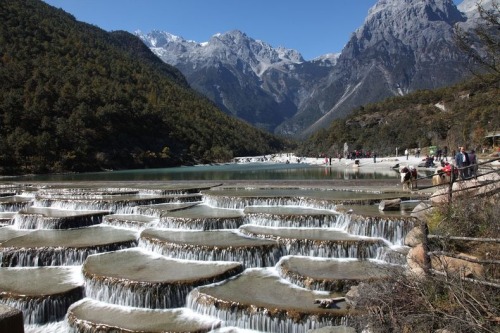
263,256
143,279
151,296
43,294
225,245
392,229
290,217
24,220
201,223
45,247
44,310
319,242
118,205
25,257
259,304
278,306
14,206
242,202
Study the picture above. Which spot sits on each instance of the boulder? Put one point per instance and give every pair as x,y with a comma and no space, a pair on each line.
333,329
465,188
440,196
388,205
415,259
352,295
11,319
458,266
422,211
414,237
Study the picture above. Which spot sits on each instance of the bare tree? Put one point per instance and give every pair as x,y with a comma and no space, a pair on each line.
482,42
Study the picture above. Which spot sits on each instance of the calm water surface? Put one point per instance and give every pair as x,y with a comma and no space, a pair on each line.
250,171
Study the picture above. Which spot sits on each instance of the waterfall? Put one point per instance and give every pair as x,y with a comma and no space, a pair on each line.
142,295
14,206
90,316
242,202
201,223
332,249
392,229
117,206
198,224
41,310
293,221
261,256
50,256
257,319
40,221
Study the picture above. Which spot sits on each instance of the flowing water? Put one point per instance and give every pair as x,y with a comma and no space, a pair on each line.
156,256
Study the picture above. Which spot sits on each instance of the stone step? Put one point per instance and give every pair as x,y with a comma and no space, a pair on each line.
140,278
90,315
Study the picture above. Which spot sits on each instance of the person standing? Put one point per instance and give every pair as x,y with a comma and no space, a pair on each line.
473,164
407,153
462,161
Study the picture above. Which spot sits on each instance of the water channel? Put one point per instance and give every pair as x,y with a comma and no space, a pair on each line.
179,250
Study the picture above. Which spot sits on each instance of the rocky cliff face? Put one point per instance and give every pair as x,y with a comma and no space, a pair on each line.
404,45
245,77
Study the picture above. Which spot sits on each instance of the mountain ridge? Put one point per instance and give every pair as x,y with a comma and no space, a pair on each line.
76,98
402,46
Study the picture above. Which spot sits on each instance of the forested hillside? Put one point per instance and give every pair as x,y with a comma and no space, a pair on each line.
452,116
76,98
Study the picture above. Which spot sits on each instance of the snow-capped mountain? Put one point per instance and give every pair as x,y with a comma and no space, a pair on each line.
247,78
403,45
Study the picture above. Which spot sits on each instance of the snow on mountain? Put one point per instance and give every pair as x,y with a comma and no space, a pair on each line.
470,9
230,47
403,45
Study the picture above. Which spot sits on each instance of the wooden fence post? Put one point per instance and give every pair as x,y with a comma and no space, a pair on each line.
425,245
450,187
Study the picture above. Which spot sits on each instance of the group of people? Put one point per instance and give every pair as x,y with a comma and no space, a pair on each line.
464,166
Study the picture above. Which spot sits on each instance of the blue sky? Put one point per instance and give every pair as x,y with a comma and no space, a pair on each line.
311,27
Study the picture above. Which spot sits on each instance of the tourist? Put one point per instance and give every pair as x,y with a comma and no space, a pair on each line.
462,161
473,164
407,153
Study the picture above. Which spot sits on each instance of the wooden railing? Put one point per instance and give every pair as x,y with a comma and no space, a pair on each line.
484,168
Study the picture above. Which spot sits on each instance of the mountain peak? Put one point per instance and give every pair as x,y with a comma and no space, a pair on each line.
408,21
228,47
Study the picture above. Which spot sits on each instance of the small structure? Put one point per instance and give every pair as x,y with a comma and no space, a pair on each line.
493,138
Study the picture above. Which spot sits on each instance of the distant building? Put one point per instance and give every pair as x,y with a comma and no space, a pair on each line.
493,138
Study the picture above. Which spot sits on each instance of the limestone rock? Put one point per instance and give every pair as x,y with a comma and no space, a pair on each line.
422,210
414,237
458,266
415,259
440,196
334,329
465,188
352,295
11,319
